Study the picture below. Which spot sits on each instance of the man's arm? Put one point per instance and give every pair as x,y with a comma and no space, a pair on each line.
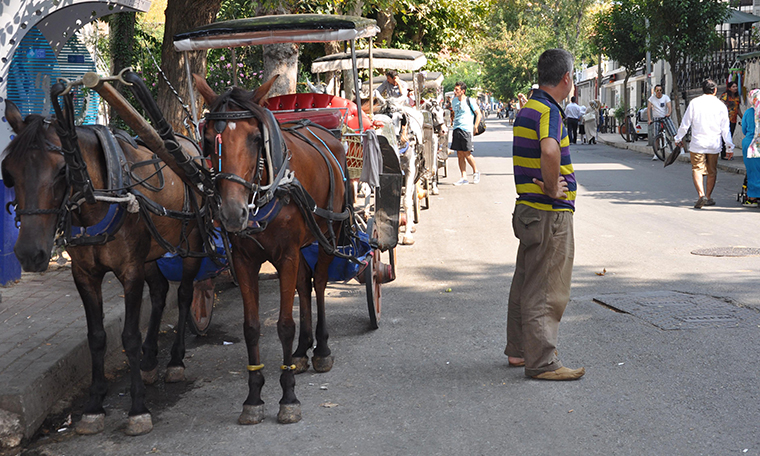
726,133
685,125
649,112
553,184
670,109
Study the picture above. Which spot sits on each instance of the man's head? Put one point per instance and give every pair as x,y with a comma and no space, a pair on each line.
391,76
709,87
460,88
555,70
573,99
658,91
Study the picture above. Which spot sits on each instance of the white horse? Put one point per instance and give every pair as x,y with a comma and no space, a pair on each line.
440,137
407,124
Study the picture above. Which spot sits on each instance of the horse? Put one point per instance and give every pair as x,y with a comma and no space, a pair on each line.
438,116
238,134
35,167
407,123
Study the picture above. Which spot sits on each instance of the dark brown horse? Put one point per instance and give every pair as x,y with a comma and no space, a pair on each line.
35,167
244,130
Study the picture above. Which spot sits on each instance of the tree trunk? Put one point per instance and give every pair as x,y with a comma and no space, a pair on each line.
387,24
122,50
332,77
281,59
348,76
674,70
181,16
599,79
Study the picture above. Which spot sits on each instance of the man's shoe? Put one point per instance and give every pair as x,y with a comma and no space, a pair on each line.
710,202
654,157
563,373
700,202
475,178
462,181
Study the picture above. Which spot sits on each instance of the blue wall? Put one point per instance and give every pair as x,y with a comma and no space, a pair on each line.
10,269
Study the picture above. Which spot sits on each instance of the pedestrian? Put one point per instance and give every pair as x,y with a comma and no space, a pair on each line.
582,125
751,148
659,107
573,113
590,119
708,120
733,101
393,86
464,114
543,222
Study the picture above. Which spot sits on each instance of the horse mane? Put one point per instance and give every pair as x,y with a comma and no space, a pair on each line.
240,97
32,137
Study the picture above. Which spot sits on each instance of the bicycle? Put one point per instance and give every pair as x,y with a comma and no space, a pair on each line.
627,129
663,143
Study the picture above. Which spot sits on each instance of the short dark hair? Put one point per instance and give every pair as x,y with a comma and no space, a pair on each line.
658,85
553,64
709,86
391,73
461,85
573,99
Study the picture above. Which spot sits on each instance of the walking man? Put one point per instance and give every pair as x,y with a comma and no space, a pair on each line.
708,119
573,113
543,222
464,114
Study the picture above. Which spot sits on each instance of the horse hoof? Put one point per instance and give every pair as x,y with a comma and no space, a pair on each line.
139,424
252,414
302,364
175,374
149,377
407,241
434,191
323,363
289,413
91,424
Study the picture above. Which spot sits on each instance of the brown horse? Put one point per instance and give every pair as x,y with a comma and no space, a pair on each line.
239,127
35,167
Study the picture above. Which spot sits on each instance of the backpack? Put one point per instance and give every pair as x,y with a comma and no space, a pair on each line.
479,128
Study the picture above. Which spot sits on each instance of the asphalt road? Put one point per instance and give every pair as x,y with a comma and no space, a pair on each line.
433,379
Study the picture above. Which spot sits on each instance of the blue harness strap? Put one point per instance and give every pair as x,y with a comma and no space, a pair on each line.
109,225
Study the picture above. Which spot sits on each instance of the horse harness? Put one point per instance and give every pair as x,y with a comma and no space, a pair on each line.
268,198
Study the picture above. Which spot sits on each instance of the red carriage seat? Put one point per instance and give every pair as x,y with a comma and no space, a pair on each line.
298,101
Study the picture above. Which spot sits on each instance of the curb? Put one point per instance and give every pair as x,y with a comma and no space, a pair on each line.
683,158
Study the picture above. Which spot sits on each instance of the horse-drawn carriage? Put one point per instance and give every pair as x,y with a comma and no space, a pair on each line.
273,185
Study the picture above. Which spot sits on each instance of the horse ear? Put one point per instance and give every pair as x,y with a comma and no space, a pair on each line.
14,116
260,95
205,90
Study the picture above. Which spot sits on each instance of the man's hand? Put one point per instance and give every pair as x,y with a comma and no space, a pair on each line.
729,154
561,189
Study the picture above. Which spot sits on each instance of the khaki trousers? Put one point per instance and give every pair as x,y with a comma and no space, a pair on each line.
540,286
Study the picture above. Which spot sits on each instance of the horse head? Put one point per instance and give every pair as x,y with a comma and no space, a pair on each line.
234,139
35,168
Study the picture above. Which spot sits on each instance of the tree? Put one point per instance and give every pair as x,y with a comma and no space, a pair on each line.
620,33
181,16
680,31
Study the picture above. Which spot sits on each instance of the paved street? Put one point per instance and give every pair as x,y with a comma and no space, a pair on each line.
433,379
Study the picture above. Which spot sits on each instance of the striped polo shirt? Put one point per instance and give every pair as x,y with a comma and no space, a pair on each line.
540,118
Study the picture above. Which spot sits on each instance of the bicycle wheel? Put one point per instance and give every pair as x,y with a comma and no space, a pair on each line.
663,146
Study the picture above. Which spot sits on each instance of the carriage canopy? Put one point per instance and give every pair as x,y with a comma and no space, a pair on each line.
282,28
396,59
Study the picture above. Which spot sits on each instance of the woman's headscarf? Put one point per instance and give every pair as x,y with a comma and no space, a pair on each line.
754,148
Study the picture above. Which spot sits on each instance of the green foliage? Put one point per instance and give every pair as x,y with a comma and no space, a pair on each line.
468,72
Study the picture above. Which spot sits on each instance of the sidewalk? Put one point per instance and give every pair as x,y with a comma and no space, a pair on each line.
615,140
44,357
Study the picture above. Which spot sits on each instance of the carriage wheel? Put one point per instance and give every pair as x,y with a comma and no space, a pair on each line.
373,283
202,307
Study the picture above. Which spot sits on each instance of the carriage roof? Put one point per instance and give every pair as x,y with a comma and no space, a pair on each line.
397,59
282,28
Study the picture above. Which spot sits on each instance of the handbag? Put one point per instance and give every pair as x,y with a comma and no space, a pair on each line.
481,126
589,117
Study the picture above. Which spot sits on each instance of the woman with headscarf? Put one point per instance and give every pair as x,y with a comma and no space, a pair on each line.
751,147
590,120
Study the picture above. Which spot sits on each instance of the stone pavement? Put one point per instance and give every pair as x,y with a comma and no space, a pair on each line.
615,140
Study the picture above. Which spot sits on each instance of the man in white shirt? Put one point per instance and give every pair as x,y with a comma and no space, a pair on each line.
573,113
658,107
393,86
708,120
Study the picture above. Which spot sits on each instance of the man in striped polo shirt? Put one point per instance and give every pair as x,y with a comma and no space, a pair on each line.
543,222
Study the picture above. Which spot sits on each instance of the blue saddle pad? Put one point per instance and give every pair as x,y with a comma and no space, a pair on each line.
171,264
341,269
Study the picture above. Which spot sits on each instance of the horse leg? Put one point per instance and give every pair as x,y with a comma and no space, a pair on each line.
133,280
323,360
89,287
159,287
305,336
409,195
248,279
175,371
290,407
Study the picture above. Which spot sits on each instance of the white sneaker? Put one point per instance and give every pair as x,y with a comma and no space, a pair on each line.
462,181
475,178
654,158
